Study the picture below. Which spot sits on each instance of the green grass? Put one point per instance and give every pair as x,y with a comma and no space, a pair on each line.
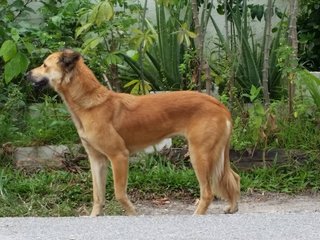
289,178
61,193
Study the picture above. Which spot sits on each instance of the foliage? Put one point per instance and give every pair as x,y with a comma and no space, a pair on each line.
45,123
255,127
251,128
106,32
312,84
49,122
12,109
13,47
26,41
245,51
15,62
309,34
168,47
105,29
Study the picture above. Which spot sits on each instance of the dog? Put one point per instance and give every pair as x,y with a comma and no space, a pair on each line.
113,125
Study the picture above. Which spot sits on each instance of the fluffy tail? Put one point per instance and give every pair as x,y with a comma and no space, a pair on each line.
226,183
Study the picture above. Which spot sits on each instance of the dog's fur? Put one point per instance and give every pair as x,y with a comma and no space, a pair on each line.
113,125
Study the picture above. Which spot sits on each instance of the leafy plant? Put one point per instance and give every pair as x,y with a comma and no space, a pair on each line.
49,122
313,85
138,87
106,28
12,110
309,34
14,59
44,123
249,126
171,38
246,53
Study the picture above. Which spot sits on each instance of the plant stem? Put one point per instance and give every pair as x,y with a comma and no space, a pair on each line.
267,46
141,50
293,42
200,29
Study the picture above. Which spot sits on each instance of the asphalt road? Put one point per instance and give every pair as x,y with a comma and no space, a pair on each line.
238,226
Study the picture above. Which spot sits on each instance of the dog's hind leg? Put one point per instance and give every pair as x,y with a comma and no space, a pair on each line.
228,185
227,182
203,173
98,164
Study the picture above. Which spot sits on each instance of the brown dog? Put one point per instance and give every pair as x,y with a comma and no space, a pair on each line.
113,125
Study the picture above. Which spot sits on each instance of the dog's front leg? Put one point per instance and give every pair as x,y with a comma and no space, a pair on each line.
120,169
98,164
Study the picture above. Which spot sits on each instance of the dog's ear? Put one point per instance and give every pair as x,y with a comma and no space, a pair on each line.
68,59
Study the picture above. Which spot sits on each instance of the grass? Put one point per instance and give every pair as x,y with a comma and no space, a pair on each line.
62,193
289,178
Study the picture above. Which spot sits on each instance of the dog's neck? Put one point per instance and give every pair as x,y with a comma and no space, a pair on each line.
82,93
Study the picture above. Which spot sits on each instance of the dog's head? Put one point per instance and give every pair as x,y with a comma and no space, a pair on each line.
56,69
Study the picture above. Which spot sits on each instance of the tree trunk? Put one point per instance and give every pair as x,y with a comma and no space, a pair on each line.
200,29
197,41
293,42
266,53
141,50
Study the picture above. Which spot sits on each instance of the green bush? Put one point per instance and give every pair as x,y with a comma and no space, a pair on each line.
309,34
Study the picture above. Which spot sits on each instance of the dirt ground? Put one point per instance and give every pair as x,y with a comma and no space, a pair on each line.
249,203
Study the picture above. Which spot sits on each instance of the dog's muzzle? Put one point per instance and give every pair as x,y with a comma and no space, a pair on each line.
37,83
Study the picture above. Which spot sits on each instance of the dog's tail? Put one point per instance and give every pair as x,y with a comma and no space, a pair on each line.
226,183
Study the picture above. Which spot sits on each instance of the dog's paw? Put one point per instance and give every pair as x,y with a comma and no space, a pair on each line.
231,210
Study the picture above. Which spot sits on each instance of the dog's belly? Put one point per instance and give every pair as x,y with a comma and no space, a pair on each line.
138,140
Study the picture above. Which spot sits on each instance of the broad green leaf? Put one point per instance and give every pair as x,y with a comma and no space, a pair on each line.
259,109
101,12
8,50
133,54
91,43
192,34
15,34
112,58
180,37
260,12
132,82
17,65
82,29
57,20
187,40
29,46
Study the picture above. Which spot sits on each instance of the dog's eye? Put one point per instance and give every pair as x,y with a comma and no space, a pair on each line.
44,65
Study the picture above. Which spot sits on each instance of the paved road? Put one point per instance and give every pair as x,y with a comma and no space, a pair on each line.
238,226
